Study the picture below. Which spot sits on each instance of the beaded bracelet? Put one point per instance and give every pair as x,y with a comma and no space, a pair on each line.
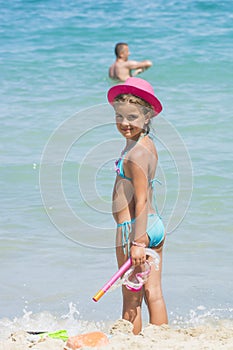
142,245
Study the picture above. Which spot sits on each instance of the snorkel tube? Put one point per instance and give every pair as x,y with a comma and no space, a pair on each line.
112,280
127,266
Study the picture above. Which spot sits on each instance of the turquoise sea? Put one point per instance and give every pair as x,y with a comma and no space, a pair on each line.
58,144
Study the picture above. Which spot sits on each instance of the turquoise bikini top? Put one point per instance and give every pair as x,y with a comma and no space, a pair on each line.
119,167
120,170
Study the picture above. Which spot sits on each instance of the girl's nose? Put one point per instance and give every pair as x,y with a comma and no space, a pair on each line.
124,121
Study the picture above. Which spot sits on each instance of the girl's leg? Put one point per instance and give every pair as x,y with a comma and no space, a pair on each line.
154,296
131,300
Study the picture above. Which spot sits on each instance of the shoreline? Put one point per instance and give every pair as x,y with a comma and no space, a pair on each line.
219,336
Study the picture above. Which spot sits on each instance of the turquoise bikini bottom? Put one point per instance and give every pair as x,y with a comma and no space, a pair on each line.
155,230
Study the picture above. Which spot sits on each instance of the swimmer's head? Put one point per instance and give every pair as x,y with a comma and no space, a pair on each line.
122,50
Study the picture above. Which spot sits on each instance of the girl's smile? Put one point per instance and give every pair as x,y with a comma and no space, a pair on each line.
130,120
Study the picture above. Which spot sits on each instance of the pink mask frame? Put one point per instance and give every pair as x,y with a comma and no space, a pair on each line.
139,279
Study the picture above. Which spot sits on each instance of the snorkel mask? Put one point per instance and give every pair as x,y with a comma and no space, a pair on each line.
134,280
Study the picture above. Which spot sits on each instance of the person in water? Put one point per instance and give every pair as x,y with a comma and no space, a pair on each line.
123,68
139,224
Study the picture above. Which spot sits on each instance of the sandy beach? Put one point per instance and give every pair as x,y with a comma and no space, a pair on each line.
152,337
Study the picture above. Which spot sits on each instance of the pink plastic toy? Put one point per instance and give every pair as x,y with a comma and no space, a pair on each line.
132,281
112,280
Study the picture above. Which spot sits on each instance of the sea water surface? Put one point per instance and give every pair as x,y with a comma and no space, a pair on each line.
58,145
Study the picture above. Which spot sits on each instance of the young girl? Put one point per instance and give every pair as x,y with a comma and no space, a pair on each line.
138,222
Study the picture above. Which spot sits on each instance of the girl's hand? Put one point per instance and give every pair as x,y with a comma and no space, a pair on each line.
138,255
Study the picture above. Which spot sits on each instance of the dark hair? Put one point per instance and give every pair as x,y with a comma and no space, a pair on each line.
119,48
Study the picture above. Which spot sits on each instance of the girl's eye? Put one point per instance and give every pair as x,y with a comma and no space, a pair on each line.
129,118
132,117
118,117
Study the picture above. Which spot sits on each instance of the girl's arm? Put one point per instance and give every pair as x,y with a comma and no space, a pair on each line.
138,169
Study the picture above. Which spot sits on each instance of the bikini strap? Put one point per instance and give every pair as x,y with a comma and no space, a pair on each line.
126,229
119,167
152,182
119,163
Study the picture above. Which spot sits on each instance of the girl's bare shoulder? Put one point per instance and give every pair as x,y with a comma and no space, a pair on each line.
144,153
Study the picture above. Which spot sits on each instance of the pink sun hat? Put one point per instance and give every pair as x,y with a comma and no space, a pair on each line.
137,87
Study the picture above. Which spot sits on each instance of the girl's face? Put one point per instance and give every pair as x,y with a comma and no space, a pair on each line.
130,119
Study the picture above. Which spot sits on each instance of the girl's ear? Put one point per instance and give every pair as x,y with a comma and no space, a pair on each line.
147,118
147,123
